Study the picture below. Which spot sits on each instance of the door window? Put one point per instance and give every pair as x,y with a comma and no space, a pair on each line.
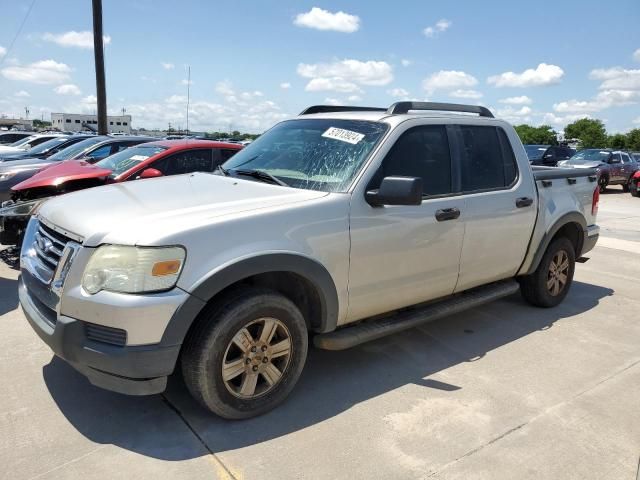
420,152
626,158
101,152
185,162
488,162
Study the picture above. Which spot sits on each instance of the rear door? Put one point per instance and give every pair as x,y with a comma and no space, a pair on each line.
616,169
500,206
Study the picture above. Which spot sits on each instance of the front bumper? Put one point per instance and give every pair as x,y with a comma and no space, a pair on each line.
132,370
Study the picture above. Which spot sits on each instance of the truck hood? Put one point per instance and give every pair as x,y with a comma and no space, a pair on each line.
62,173
13,156
592,164
24,164
10,150
154,211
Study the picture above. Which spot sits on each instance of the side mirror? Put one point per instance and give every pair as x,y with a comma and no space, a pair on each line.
396,191
151,173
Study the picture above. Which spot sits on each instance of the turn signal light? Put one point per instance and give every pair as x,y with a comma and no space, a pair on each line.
167,267
594,201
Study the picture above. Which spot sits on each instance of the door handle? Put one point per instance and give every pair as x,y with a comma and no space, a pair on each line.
447,214
524,202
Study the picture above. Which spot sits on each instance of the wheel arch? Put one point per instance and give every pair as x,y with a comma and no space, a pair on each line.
303,280
571,225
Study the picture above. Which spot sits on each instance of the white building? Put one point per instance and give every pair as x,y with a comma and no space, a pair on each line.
73,122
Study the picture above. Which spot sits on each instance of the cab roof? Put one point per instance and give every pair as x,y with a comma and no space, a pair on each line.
184,144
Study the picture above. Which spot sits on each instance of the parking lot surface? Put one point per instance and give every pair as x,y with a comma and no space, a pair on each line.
500,392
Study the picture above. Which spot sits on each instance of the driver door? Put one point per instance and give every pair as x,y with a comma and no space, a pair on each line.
403,255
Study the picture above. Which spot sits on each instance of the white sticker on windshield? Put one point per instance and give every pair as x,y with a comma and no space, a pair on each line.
139,157
343,135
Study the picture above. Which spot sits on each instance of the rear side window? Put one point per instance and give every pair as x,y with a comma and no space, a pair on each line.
488,162
420,152
626,158
185,162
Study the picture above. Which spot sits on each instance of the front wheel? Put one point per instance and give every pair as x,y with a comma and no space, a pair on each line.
246,353
550,283
626,186
603,182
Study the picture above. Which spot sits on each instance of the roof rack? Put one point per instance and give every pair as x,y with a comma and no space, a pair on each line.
402,107
405,107
339,108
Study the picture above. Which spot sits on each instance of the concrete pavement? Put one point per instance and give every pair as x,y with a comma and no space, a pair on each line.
504,391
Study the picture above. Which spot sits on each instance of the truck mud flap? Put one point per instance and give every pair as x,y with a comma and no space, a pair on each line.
366,331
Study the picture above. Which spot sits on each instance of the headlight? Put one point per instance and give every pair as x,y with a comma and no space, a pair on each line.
133,269
22,209
6,176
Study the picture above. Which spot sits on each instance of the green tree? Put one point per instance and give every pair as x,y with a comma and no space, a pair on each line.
41,124
589,132
618,140
633,140
542,135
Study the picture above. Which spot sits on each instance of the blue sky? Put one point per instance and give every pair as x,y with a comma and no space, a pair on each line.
254,62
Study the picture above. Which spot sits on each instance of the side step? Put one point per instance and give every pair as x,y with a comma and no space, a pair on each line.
366,331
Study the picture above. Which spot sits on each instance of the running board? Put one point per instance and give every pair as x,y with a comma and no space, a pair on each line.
366,331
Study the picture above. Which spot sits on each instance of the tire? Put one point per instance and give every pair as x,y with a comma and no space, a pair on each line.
636,192
626,186
539,288
211,343
603,182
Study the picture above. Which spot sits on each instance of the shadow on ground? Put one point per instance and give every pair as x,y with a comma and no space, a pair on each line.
332,382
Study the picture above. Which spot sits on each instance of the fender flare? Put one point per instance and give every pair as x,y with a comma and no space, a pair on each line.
573,217
217,281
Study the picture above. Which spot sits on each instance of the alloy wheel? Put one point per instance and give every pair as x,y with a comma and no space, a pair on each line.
256,358
558,273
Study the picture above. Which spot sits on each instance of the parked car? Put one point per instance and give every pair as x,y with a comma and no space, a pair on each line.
146,160
90,149
341,223
45,149
548,155
7,138
634,185
26,143
614,167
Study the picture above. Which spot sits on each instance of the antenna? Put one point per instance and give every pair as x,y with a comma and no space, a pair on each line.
188,95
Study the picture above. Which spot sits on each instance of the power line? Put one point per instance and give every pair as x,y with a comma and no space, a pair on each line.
24,20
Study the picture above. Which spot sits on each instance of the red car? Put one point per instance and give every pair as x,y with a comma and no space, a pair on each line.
146,160
634,184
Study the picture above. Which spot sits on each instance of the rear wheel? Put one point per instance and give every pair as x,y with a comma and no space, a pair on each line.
626,186
550,283
246,354
603,181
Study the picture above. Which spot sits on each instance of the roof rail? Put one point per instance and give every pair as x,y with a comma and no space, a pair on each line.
404,107
339,108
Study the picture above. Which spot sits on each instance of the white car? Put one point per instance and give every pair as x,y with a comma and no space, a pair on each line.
28,142
344,223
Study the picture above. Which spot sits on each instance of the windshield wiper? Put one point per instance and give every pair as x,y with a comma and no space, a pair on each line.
261,175
224,171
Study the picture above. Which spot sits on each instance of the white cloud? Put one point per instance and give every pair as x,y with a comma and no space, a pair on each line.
354,98
521,100
22,94
448,79
354,71
603,100
333,84
617,78
636,121
398,93
461,93
167,65
405,62
68,89
515,115
43,72
179,99
184,81
562,120
441,25
332,101
320,19
636,55
3,51
82,39
225,88
285,85
542,75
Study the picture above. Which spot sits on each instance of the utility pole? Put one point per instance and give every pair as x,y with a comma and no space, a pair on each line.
188,96
98,52
26,113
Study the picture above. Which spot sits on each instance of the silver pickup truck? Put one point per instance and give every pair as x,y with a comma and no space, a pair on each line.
341,225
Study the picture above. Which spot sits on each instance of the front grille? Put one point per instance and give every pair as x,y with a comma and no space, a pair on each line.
49,245
100,333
